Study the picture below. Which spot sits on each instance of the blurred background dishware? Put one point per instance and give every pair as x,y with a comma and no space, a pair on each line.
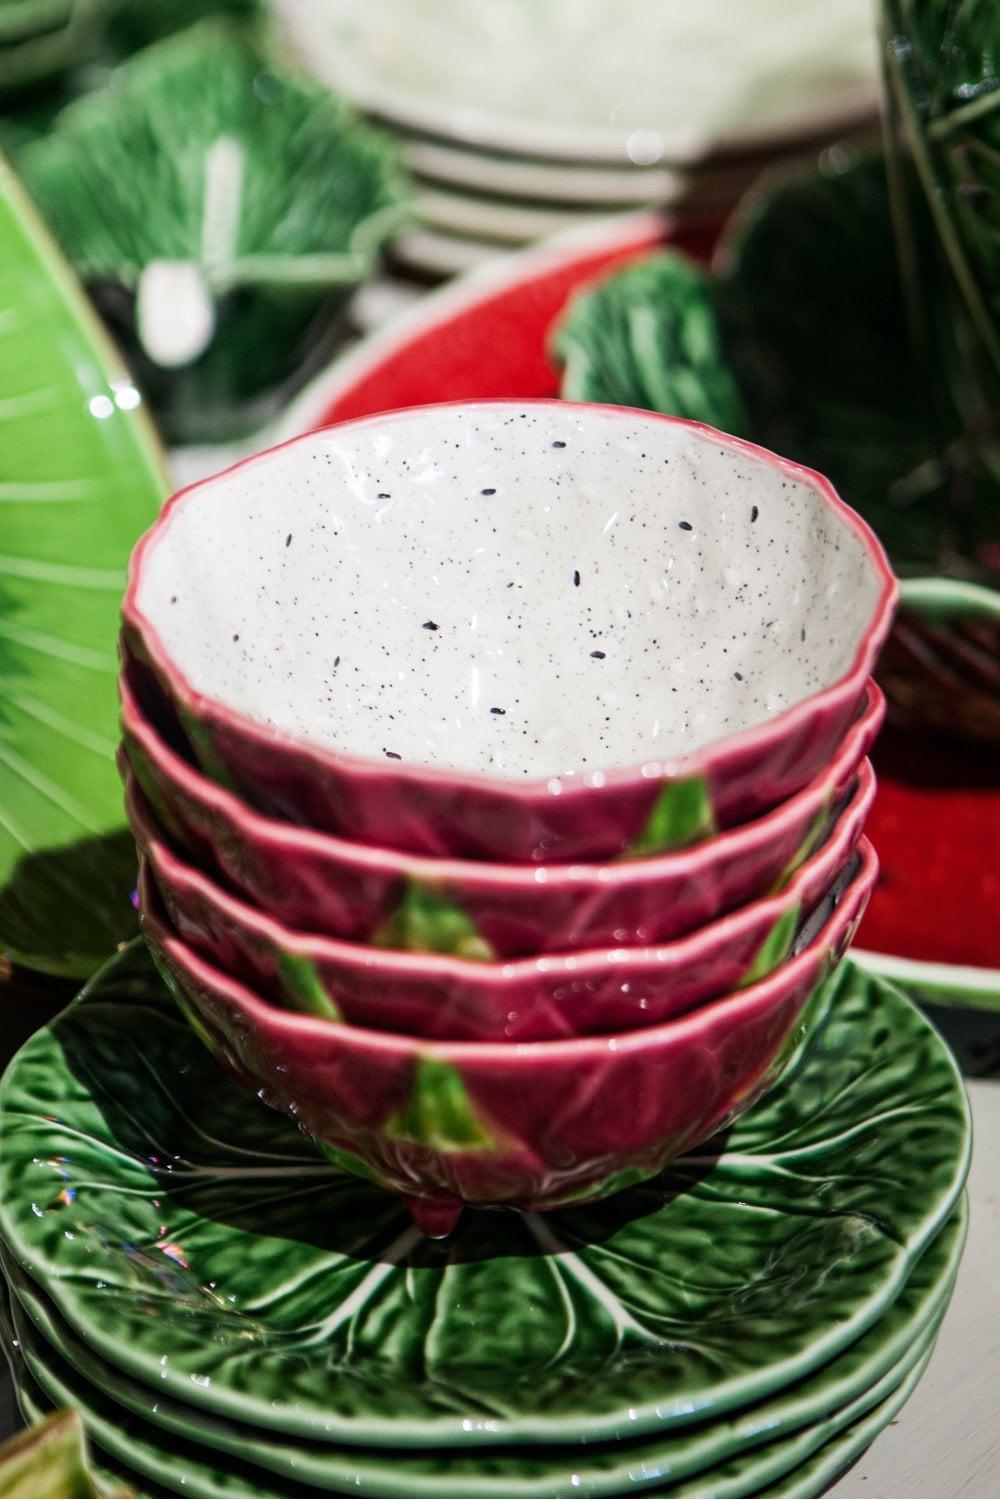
490,927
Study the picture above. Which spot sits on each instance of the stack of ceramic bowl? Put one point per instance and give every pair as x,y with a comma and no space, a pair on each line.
463,740
499,774
518,121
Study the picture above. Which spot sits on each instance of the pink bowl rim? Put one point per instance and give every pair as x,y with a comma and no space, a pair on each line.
496,974
507,1056
578,874
527,792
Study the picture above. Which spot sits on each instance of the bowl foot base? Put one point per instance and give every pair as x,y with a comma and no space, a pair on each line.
434,1217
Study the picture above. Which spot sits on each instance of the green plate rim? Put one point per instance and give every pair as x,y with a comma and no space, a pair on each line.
761,1468
647,1417
384,1480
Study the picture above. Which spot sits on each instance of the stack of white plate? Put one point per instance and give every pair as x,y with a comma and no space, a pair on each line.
520,118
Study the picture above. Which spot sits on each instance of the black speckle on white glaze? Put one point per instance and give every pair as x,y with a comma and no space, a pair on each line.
720,589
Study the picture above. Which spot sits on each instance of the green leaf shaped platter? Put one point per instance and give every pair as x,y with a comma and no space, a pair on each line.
140,1178
220,211
596,1469
80,479
181,1467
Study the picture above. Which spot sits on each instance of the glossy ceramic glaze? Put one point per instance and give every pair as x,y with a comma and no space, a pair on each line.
81,476
814,1475
459,993
147,1428
454,1123
587,80
435,587
139,1176
322,884
624,1467
141,1457
433,718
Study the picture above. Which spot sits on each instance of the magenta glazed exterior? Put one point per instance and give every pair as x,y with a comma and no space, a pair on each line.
531,999
434,812
533,1125
321,884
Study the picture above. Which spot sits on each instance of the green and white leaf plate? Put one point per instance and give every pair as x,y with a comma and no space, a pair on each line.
80,479
180,1467
595,1469
140,1179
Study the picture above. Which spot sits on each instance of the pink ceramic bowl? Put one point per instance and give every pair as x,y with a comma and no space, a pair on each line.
521,631
533,999
321,884
533,1124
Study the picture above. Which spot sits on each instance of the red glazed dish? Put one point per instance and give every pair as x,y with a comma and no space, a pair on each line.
536,812
532,999
533,1125
321,884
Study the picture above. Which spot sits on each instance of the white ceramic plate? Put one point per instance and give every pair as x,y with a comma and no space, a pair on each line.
503,220
443,166
430,253
599,81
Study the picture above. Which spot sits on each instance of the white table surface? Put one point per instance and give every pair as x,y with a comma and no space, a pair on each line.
946,1440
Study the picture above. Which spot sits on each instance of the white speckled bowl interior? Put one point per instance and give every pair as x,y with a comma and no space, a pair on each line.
518,590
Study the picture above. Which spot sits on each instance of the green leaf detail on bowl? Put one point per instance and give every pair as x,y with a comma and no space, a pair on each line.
347,1161
301,983
439,1113
184,1005
650,337
805,1220
50,1459
200,740
80,479
220,209
425,921
810,843
682,814
138,763
775,947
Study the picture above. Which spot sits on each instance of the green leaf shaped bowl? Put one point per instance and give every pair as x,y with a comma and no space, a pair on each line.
219,210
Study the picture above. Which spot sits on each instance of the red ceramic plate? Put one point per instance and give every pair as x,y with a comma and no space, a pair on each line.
932,919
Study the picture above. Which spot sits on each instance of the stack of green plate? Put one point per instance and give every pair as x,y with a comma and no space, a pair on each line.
232,1316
